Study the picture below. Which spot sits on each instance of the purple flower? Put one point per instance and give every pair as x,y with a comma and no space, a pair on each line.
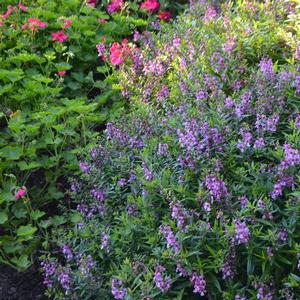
49,270
292,156
162,282
298,264
216,187
121,182
169,235
229,103
243,199
282,236
117,289
101,49
105,241
85,264
210,13
227,268
207,207
66,250
201,94
199,283
85,167
284,181
245,106
163,149
180,214
181,270
242,233
267,68
64,279
259,143
245,143
147,172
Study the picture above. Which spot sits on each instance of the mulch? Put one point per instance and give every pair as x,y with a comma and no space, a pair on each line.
21,286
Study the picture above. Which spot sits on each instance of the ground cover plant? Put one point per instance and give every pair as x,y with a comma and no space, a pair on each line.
195,193
56,86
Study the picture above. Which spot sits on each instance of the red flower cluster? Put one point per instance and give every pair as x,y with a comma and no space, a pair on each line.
165,15
150,5
119,52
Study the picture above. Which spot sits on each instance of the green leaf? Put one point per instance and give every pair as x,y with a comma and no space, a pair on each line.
26,231
36,214
3,217
11,152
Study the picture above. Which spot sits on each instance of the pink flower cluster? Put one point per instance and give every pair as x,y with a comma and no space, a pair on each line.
119,52
115,6
59,36
34,24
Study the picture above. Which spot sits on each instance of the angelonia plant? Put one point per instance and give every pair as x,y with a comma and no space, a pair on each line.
193,193
56,92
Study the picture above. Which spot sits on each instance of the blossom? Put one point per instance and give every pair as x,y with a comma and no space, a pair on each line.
161,282
216,187
59,36
22,7
61,73
114,6
102,21
210,13
242,233
35,23
199,283
117,289
165,15
169,235
150,5
49,270
66,250
20,193
7,13
119,52
67,24
267,68
65,280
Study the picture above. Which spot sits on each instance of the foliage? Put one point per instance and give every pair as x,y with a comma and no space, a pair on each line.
54,90
196,191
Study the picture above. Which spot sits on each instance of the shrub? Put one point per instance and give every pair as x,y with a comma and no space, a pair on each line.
195,192
54,90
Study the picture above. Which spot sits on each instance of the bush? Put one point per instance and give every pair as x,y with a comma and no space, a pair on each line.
195,192
54,90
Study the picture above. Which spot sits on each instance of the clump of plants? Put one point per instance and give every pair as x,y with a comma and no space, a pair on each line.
194,194
55,89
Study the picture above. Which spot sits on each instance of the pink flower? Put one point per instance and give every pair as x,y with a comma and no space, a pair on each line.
59,36
34,23
24,26
22,7
165,15
67,24
8,12
115,6
91,3
102,21
61,73
1,23
150,5
118,53
20,193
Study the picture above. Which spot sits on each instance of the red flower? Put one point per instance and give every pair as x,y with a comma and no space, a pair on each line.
20,193
150,5
165,15
59,36
61,73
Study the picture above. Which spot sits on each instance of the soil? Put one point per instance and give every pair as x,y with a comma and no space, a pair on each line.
21,286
